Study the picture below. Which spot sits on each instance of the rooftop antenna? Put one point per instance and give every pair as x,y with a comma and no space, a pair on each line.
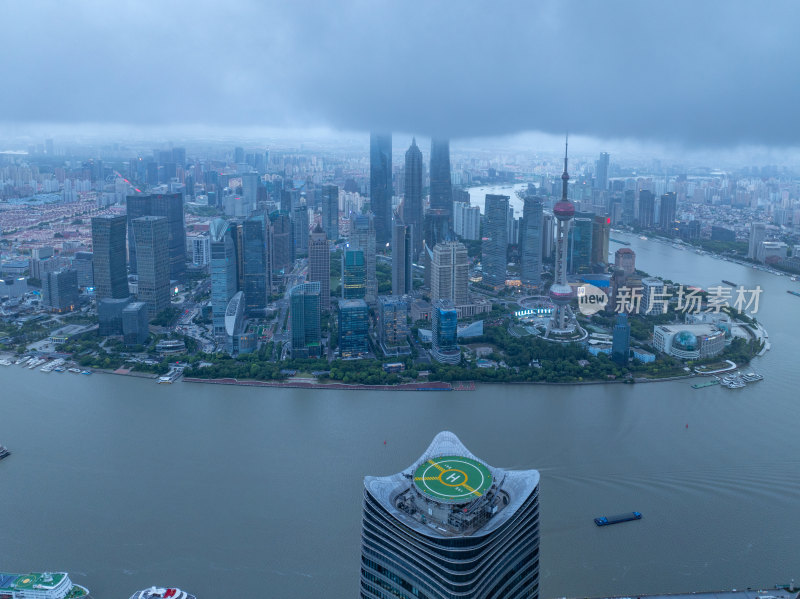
565,174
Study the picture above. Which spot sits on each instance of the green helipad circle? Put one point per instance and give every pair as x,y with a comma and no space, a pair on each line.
453,479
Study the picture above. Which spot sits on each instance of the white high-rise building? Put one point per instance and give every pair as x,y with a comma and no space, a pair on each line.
467,220
450,273
758,231
653,299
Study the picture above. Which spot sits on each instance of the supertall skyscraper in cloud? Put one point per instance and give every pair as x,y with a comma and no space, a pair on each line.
441,186
380,185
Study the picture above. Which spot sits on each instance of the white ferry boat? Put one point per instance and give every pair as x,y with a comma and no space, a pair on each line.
162,593
45,585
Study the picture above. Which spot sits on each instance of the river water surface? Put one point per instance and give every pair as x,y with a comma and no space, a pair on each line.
244,492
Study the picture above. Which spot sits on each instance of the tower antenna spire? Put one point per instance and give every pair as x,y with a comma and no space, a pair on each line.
565,174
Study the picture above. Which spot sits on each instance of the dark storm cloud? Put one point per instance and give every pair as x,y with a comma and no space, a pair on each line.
703,73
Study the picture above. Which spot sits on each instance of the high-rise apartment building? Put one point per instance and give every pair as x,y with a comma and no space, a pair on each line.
653,297
304,320
393,325
601,171
353,328
402,249
758,232
83,263
354,274
362,237
319,265
413,214
601,230
531,242
621,339
625,259
450,507
330,211
380,184
60,290
151,236
300,226
666,215
494,249
580,243
647,209
109,264
467,221
281,242
444,333
450,273
628,207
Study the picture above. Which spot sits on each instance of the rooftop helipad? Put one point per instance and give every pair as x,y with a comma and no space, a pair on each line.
453,479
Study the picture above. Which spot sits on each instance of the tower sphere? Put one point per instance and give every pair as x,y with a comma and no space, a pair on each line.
564,210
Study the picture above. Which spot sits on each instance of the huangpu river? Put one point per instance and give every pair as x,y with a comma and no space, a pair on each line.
234,492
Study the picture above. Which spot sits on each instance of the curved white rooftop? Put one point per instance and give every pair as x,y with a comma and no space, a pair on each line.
234,313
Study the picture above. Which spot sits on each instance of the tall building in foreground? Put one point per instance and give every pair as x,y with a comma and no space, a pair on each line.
380,184
152,249
109,263
449,507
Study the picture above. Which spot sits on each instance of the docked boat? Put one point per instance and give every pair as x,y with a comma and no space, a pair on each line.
4,453
75,370
731,283
5,362
607,520
172,376
44,585
162,593
752,377
86,372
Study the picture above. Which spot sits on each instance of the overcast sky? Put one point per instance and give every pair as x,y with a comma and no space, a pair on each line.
716,73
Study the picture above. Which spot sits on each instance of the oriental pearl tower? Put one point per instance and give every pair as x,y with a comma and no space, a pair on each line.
562,321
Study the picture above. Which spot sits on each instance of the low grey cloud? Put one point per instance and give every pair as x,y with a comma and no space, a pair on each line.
696,73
